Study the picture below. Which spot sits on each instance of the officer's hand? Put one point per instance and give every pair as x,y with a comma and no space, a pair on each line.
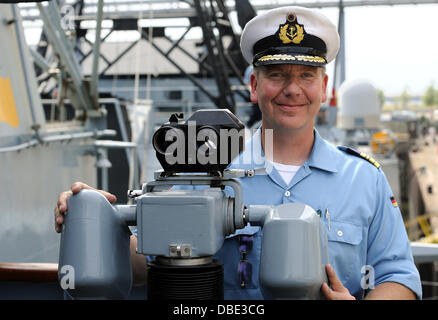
61,206
337,290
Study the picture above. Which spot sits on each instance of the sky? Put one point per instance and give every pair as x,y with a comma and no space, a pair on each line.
394,47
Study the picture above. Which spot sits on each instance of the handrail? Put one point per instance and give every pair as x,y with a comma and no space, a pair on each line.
28,272
59,137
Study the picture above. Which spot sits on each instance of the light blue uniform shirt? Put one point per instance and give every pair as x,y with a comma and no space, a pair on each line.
366,229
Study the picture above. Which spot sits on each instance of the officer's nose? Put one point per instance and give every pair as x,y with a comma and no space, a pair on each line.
292,88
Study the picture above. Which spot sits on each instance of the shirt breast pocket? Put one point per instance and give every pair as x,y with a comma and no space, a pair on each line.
344,232
344,248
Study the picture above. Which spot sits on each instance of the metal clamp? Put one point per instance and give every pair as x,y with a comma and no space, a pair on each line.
180,251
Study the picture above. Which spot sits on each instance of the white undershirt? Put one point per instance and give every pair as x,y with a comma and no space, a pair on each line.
287,172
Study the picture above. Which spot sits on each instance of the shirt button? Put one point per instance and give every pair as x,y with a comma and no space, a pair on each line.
287,193
340,233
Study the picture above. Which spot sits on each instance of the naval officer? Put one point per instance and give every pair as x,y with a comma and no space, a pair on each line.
289,48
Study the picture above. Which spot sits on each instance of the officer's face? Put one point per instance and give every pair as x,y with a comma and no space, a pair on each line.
289,96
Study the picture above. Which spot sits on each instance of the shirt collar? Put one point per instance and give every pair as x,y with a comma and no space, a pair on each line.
324,156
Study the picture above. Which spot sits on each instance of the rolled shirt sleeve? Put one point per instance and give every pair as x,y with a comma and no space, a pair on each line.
389,252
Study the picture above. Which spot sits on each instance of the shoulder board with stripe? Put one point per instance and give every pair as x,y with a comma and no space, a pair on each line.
360,155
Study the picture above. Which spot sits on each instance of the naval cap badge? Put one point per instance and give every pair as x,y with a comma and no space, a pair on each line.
291,31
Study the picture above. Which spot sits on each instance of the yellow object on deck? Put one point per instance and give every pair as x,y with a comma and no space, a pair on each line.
382,143
425,229
8,109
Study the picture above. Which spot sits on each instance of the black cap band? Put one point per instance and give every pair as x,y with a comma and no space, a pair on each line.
310,45
309,41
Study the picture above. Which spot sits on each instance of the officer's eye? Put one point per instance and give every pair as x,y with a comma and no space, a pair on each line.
276,75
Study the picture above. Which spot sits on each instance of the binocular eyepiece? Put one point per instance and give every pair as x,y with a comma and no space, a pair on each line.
206,142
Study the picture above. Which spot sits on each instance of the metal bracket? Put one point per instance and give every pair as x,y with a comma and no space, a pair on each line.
180,251
226,178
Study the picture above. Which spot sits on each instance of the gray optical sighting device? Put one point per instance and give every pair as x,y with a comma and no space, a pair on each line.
184,228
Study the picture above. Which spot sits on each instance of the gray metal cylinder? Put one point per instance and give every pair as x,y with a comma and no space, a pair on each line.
294,253
94,249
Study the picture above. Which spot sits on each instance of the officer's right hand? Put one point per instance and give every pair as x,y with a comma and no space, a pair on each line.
61,206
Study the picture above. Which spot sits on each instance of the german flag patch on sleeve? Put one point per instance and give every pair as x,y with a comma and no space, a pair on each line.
394,202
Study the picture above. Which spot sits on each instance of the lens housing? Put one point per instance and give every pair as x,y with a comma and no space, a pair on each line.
202,143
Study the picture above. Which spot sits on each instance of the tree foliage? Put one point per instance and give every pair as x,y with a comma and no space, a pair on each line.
405,98
430,96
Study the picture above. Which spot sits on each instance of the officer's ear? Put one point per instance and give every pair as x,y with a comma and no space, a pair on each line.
253,82
324,86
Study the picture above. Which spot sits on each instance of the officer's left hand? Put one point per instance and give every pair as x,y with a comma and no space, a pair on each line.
337,290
